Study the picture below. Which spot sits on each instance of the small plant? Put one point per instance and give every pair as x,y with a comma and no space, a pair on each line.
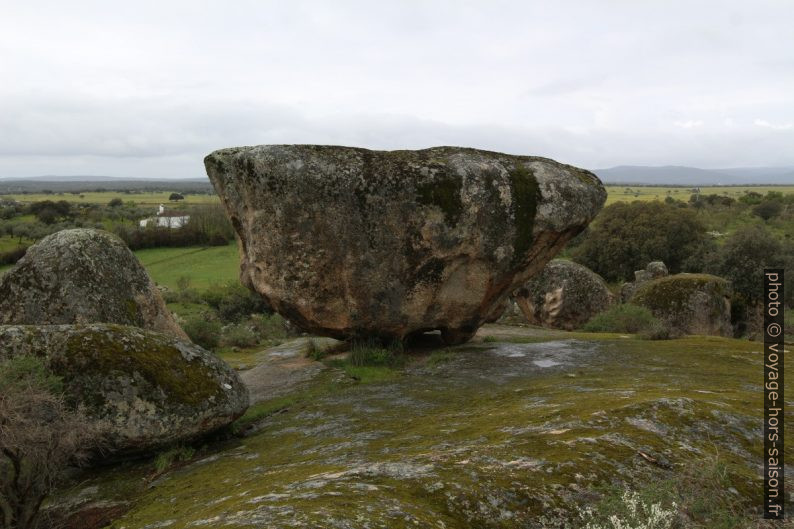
625,317
166,460
202,331
183,283
631,513
370,353
489,339
660,330
239,335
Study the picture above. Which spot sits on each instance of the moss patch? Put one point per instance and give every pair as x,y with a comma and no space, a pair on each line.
96,354
526,195
443,193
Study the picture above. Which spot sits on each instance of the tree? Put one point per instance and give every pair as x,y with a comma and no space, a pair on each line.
39,436
175,197
768,209
627,236
116,202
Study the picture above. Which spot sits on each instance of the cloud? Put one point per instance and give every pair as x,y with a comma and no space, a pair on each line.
150,88
689,124
768,125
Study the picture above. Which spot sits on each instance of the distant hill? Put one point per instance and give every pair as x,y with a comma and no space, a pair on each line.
81,183
690,176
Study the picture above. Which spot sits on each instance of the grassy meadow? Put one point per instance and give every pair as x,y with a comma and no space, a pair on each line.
203,266
141,198
621,193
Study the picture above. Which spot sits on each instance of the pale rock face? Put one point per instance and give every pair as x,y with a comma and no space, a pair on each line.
565,295
83,276
147,389
349,242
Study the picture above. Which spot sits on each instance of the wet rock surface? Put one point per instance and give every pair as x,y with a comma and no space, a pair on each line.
349,242
83,276
148,389
564,295
514,433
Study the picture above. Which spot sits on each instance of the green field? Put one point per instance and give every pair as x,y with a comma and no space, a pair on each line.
632,193
616,194
204,266
152,198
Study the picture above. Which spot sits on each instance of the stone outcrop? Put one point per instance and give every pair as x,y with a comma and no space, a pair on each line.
654,270
689,303
83,276
565,295
349,242
147,389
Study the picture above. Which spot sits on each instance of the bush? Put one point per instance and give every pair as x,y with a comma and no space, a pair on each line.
203,331
234,302
660,331
627,236
239,336
269,326
625,318
39,437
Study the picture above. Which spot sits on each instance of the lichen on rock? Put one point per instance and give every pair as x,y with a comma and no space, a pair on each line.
564,295
147,388
690,303
349,243
83,276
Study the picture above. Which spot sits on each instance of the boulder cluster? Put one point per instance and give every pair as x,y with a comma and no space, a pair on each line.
81,301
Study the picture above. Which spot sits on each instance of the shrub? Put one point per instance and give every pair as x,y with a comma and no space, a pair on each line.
627,236
269,326
39,437
626,318
234,302
203,331
238,336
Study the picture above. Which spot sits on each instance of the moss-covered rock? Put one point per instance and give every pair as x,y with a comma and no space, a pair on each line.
523,432
690,303
83,276
148,388
565,295
350,242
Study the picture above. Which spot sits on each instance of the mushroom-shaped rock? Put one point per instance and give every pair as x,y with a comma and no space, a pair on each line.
690,303
565,295
83,276
148,389
349,242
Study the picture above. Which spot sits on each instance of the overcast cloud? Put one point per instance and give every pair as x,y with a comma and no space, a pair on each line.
147,88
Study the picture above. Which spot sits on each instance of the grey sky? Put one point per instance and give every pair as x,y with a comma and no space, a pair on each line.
147,88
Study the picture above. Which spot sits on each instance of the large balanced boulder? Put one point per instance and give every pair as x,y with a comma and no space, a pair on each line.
147,389
83,276
565,295
350,242
689,303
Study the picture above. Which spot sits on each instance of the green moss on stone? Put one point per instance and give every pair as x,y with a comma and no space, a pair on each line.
673,293
95,354
444,193
526,196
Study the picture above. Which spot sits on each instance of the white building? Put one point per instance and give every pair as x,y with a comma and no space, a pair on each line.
166,219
